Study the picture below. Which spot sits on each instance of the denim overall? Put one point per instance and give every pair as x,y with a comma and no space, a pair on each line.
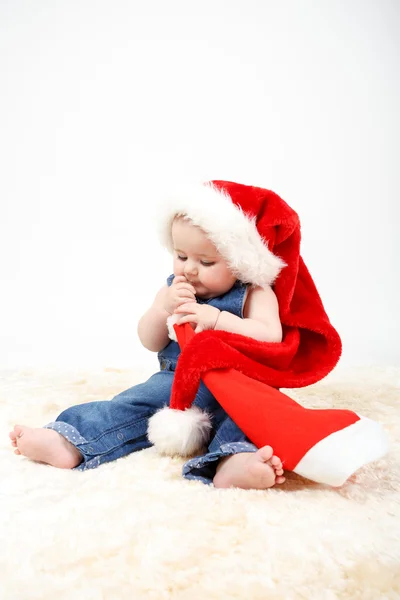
103,431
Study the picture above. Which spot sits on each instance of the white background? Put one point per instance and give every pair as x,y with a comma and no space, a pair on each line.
105,103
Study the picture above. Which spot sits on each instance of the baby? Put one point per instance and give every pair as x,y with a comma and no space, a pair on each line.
206,292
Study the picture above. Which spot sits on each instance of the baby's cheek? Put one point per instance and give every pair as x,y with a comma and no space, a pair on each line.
178,270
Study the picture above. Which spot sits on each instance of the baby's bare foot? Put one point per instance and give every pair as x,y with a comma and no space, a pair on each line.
45,445
250,470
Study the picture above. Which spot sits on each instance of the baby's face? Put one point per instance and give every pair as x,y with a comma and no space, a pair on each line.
196,257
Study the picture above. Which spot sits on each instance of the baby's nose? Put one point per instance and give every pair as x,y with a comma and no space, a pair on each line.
190,268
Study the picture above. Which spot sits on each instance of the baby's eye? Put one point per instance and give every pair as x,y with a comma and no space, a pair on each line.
182,257
207,264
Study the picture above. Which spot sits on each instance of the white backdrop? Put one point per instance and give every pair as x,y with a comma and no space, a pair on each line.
103,103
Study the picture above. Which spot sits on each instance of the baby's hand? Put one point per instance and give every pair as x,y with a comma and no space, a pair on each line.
179,292
200,316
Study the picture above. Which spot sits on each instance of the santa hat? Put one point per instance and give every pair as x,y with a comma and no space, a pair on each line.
235,224
324,445
257,233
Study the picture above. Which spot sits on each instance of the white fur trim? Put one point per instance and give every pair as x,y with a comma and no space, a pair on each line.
336,457
171,320
182,432
234,233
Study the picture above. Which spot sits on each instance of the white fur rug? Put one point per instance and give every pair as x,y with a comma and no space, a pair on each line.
135,529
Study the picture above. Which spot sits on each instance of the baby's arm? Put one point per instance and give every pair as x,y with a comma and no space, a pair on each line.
261,317
152,327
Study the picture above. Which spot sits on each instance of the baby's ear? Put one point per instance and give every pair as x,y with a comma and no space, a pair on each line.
172,319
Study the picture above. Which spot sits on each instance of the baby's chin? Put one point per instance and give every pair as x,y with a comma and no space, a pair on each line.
205,296
203,293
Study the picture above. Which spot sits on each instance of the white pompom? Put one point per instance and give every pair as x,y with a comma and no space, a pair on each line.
182,432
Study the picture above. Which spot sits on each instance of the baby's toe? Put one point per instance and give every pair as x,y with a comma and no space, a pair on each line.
276,462
265,453
19,430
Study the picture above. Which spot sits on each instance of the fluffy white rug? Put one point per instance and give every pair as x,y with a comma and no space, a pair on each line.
136,529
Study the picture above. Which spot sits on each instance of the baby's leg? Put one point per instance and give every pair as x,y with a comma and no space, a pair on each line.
90,434
45,445
257,470
233,461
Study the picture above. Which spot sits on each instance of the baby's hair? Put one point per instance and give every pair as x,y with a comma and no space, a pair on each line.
182,217
187,219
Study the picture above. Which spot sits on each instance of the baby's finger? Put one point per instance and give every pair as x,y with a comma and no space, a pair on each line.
186,307
185,294
187,319
179,279
185,286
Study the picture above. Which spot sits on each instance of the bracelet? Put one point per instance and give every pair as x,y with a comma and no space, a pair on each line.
216,320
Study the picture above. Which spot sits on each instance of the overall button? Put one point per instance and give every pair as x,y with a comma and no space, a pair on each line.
120,436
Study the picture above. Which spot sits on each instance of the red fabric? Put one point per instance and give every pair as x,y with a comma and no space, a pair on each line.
270,417
310,348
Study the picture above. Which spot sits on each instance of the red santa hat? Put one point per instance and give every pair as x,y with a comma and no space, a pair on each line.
258,234
235,222
324,445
